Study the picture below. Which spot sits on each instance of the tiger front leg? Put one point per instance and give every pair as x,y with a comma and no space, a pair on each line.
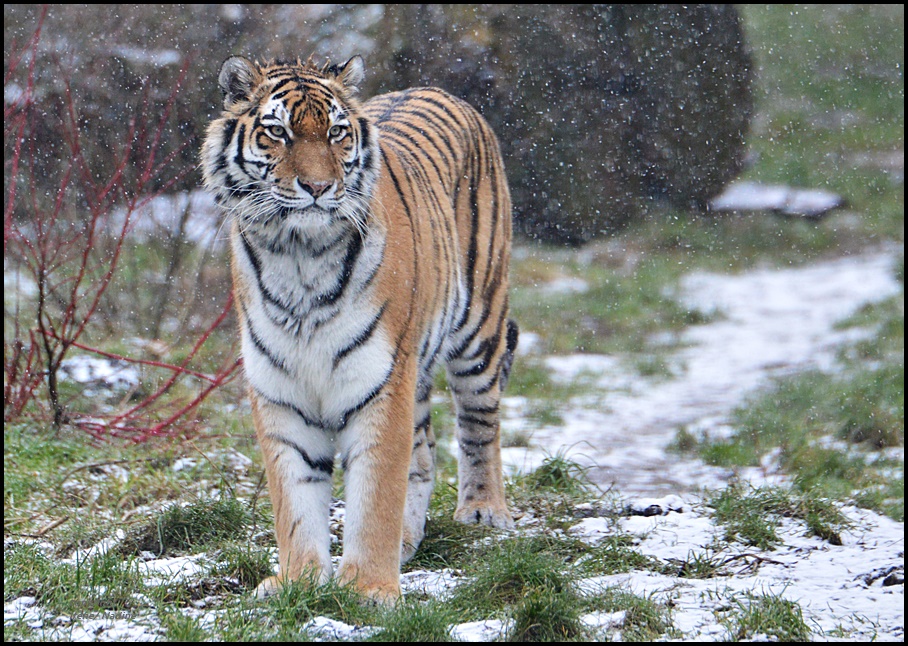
376,449
298,462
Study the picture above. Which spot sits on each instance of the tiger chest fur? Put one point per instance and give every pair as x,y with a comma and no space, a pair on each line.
370,243
311,325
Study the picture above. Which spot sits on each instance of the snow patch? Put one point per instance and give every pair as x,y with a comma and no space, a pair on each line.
774,322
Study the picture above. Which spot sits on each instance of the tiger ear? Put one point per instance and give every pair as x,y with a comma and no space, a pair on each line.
237,79
352,73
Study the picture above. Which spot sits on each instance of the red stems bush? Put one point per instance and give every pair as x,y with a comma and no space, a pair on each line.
64,228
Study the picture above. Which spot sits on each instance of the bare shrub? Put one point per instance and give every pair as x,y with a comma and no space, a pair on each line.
63,248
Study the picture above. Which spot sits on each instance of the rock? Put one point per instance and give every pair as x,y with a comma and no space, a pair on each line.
752,196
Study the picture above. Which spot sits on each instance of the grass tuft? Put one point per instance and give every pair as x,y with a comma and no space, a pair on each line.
614,555
102,582
183,529
767,616
507,572
244,563
545,617
416,621
752,517
645,620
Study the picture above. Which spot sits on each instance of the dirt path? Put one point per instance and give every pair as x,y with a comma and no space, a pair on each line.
771,323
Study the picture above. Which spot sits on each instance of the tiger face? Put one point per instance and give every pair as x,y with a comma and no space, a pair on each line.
291,147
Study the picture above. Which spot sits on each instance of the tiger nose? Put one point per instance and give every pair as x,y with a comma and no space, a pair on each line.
315,189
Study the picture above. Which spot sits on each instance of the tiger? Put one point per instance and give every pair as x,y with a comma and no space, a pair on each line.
370,244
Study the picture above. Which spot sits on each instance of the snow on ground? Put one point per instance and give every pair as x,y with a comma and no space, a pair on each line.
856,588
836,586
771,323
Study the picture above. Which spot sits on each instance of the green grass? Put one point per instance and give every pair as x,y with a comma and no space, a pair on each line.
190,528
526,579
552,490
645,619
27,452
447,543
180,627
769,615
544,616
246,563
506,573
831,96
752,517
102,582
619,312
557,474
546,396
615,554
417,621
697,565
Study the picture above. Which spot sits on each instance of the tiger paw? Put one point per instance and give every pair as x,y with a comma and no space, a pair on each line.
496,516
269,587
384,592
311,576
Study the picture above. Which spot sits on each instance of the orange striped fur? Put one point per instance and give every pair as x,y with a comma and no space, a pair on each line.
370,244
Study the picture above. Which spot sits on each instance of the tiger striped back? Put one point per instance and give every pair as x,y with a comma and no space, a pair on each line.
370,243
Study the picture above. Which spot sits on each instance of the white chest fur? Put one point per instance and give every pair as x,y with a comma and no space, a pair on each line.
313,337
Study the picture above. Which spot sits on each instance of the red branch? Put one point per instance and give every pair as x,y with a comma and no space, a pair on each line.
142,362
148,401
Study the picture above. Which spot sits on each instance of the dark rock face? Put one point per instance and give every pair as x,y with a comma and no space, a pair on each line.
602,110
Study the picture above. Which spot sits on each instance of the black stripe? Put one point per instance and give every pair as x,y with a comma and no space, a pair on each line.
226,139
361,338
257,270
260,345
423,425
482,410
238,157
472,371
369,397
424,383
323,465
277,96
353,250
508,359
412,114
456,353
473,245
279,88
475,421
306,419
464,442
413,229
416,146
313,480
493,379
365,136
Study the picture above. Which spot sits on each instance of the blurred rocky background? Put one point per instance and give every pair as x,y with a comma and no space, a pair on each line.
605,113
